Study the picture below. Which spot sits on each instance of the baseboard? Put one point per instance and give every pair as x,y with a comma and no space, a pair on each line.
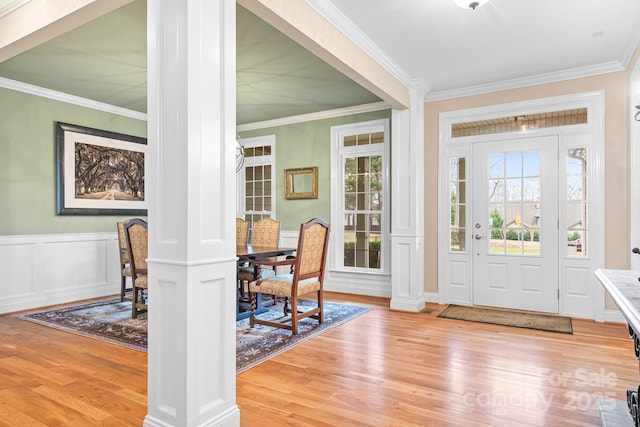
40,301
614,316
408,306
431,297
356,290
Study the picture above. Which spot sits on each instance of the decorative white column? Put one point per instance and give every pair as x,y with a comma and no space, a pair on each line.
191,196
407,201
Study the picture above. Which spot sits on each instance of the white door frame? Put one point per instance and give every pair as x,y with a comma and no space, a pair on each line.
580,294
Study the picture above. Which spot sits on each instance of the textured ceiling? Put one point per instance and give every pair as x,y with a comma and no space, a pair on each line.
505,43
105,60
278,78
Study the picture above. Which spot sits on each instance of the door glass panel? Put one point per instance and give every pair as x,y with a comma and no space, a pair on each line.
458,207
496,190
531,189
577,201
496,166
514,203
514,189
514,165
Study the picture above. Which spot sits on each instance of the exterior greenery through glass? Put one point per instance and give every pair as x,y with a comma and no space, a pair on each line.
363,200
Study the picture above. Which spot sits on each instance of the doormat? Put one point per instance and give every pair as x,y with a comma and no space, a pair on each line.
542,322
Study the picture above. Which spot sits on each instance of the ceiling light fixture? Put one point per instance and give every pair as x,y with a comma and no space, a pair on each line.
470,4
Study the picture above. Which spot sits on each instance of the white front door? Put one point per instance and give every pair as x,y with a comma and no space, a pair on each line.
515,224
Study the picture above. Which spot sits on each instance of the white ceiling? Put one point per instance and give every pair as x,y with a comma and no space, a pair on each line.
512,41
454,51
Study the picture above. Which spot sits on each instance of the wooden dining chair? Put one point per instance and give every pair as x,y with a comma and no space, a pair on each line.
265,233
242,231
137,244
125,268
306,279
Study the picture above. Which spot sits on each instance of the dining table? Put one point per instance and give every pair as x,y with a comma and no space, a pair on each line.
249,253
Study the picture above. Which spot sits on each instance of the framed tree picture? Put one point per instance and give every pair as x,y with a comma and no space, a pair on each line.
99,172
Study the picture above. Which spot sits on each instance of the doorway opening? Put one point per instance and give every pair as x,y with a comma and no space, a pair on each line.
523,179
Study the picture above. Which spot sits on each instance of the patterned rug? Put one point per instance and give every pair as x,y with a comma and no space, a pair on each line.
110,321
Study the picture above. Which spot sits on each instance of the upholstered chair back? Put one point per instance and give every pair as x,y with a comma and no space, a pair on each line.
138,241
266,232
242,229
122,241
312,249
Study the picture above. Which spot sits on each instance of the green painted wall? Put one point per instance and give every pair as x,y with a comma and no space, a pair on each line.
302,145
28,163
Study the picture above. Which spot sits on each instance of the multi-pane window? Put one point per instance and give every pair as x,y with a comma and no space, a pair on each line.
362,192
362,211
256,180
514,203
577,201
458,203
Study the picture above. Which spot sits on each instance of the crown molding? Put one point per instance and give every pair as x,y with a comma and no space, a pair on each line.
630,50
574,73
6,7
70,99
95,105
332,14
321,115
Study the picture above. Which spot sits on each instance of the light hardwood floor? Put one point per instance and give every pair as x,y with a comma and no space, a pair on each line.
383,368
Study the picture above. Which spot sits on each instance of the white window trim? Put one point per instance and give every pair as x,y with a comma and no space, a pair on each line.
258,141
337,193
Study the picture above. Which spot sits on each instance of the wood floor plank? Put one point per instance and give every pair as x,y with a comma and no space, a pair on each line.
12,417
384,368
70,401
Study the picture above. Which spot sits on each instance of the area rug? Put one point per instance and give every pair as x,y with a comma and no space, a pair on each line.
542,322
110,321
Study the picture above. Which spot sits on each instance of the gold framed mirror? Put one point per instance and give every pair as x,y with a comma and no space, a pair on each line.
301,183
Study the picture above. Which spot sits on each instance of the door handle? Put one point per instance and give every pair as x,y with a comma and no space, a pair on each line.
478,237
635,250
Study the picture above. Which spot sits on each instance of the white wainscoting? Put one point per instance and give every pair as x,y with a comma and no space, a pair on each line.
43,270
289,239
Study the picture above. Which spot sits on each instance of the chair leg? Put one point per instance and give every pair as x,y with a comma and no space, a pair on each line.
294,315
134,303
123,287
252,317
320,306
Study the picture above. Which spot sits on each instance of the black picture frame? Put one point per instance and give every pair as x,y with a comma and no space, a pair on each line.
99,172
